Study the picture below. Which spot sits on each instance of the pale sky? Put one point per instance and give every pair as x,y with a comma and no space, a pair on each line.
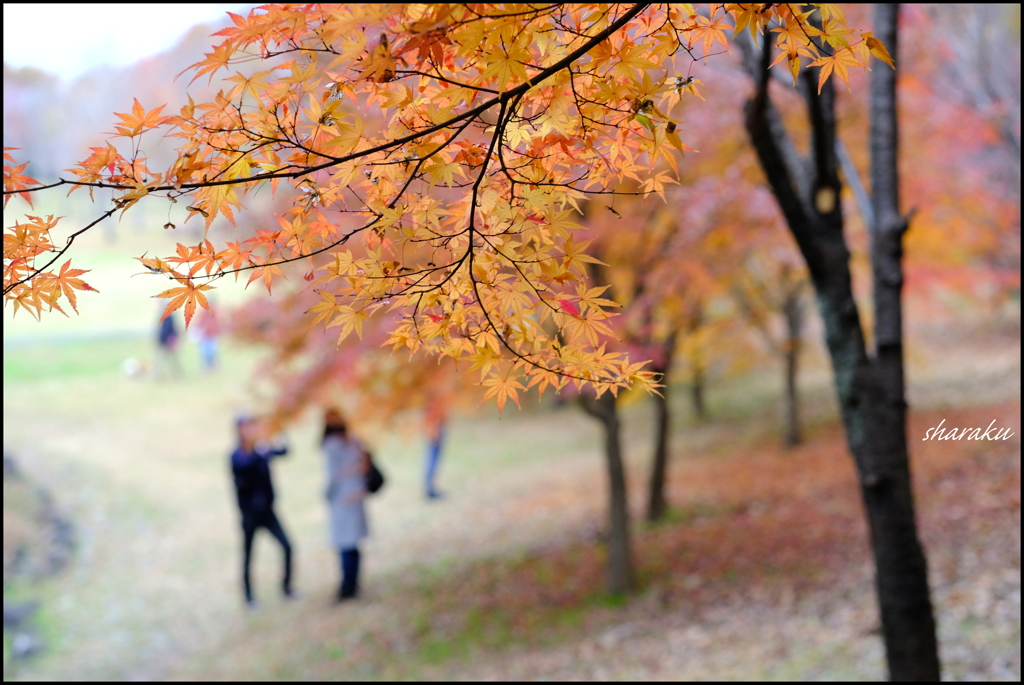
68,40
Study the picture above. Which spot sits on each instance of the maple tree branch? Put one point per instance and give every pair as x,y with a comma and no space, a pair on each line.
495,142
503,117
71,239
341,241
853,179
515,264
509,15
346,237
442,79
821,112
238,142
519,90
31,190
772,143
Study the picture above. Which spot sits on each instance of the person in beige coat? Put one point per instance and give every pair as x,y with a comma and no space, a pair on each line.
347,463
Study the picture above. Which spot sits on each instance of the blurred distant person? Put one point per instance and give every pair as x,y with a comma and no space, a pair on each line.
207,329
167,345
435,419
347,464
250,465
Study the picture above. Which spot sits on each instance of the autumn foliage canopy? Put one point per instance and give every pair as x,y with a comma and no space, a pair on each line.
438,156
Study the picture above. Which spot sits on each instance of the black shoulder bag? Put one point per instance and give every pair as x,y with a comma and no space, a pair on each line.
374,478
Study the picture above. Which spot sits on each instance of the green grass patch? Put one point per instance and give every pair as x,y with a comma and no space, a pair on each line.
493,604
686,514
8,639
81,358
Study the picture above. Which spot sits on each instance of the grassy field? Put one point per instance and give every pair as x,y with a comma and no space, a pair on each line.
761,571
124,306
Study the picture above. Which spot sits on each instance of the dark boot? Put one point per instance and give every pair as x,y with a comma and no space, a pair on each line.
349,574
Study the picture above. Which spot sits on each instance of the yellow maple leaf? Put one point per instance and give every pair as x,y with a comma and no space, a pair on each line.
502,387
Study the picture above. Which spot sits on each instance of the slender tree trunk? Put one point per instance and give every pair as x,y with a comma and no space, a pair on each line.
620,566
793,311
908,620
657,503
870,391
697,363
697,389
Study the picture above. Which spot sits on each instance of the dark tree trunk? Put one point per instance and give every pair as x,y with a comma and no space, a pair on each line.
696,320
908,621
697,390
793,311
620,566
870,390
790,304
657,504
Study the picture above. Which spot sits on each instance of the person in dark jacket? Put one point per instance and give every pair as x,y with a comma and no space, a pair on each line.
250,465
167,362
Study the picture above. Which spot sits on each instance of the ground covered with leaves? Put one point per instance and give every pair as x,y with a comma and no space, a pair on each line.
761,571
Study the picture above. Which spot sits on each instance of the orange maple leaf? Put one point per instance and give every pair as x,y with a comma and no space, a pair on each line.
187,295
710,31
837,62
14,180
68,283
235,258
140,120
